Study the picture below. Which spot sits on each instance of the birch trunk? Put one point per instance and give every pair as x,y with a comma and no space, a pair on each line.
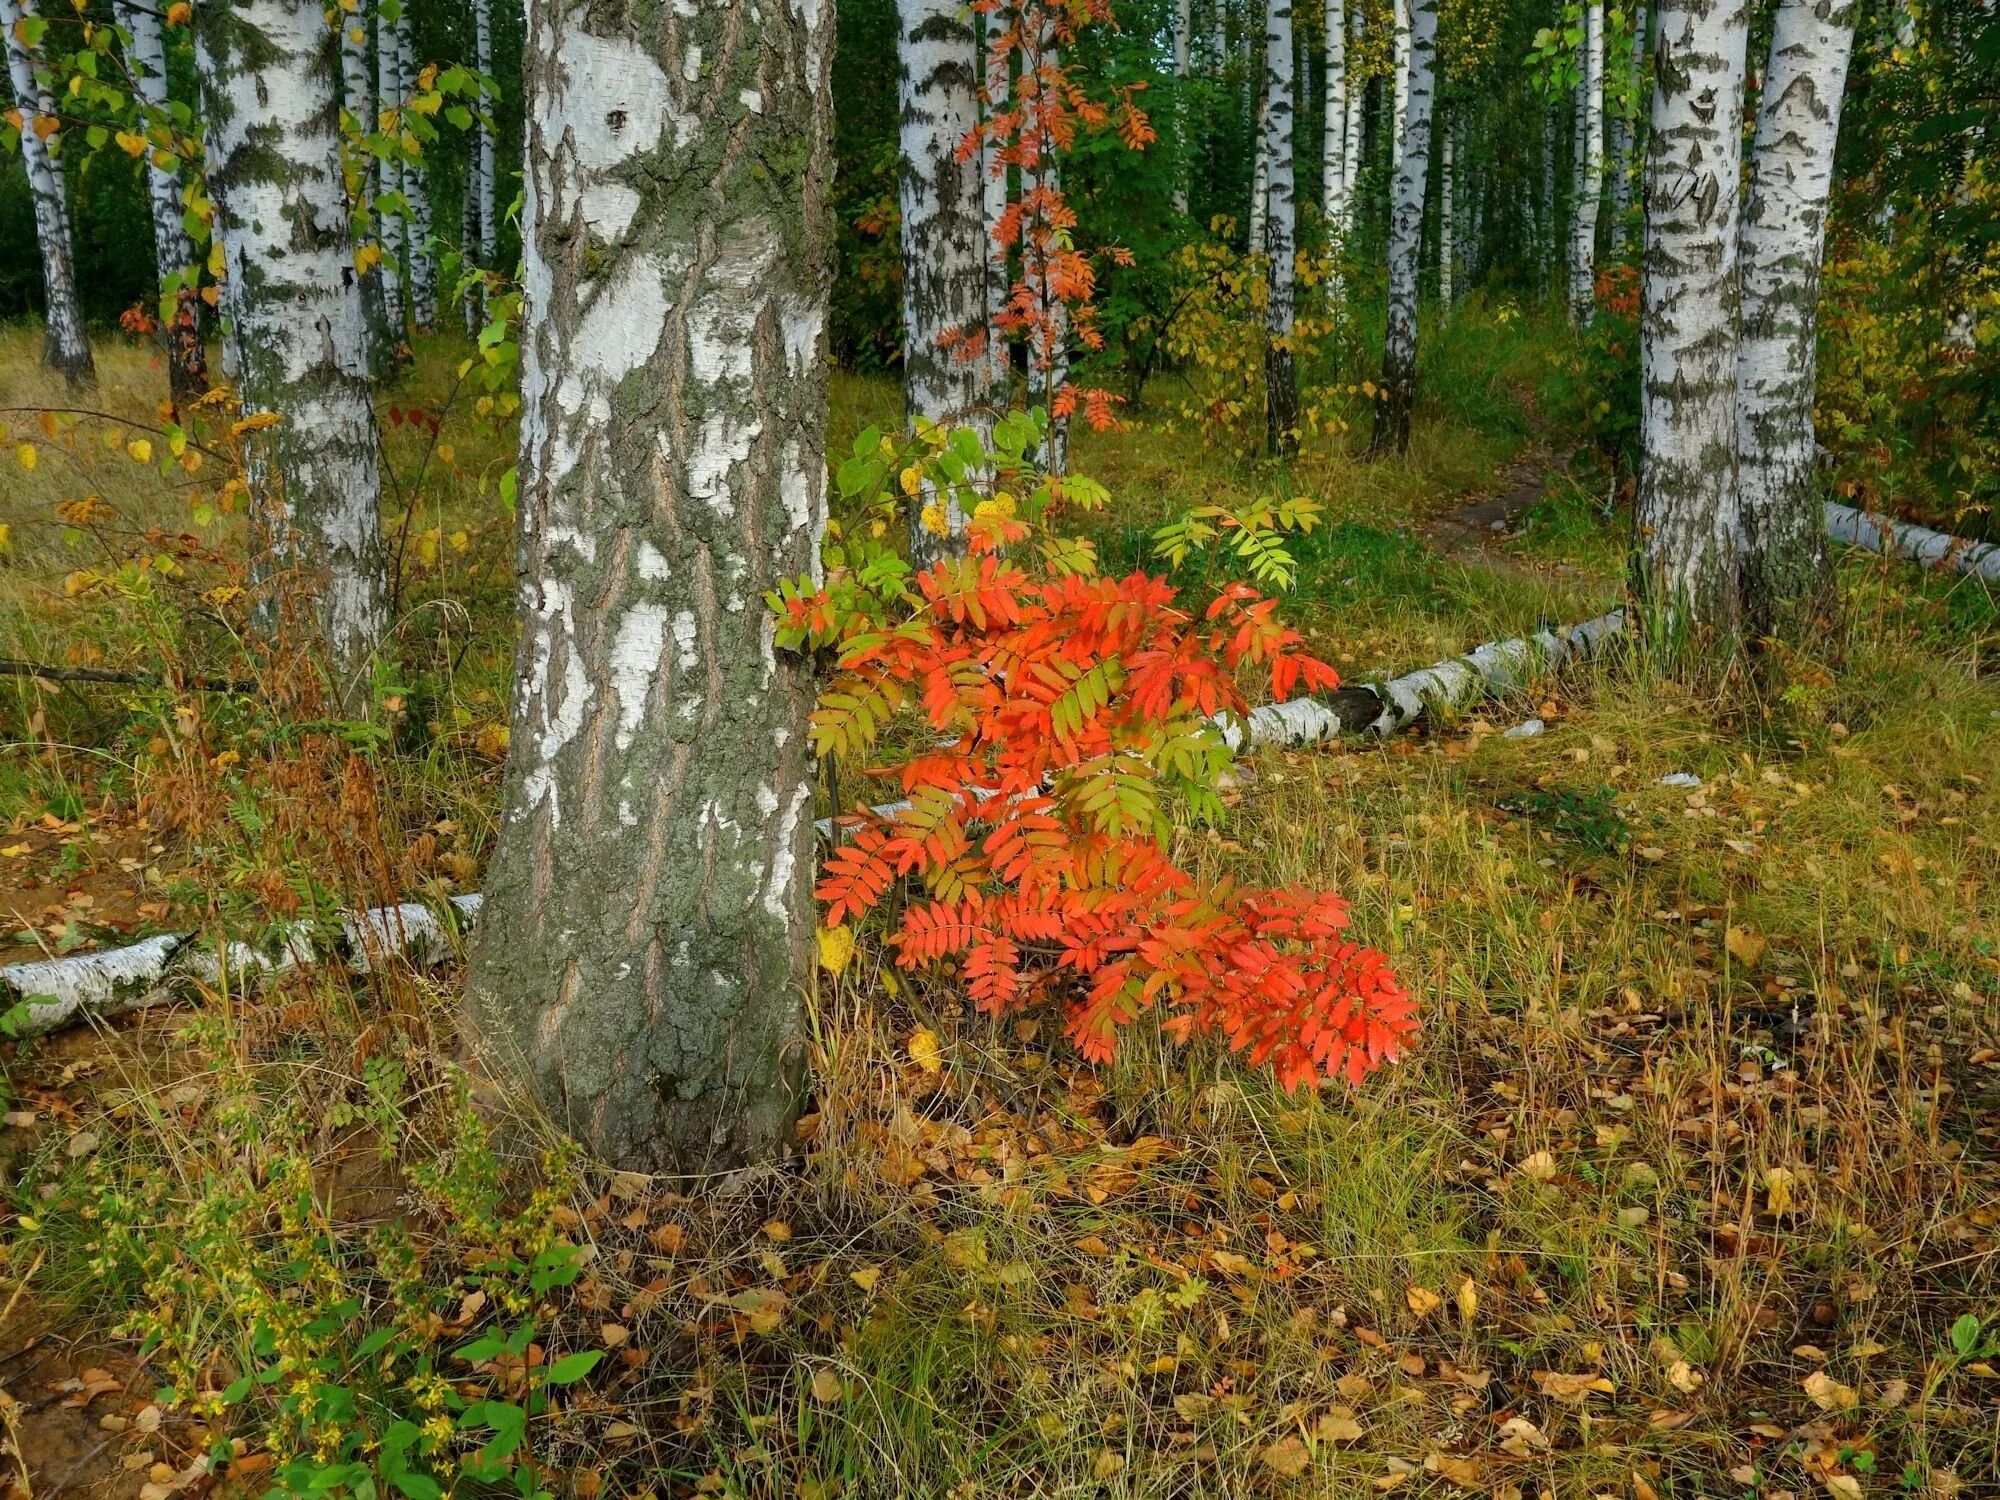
416,191
1545,237
1260,173
1688,519
1786,573
1590,171
483,183
468,242
1357,99
994,199
274,171
1400,119
1625,141
64,346
391,208
650,905
1333,146
944,249
1281,380
1183,121
357,96
1446,208
1406,233
173,250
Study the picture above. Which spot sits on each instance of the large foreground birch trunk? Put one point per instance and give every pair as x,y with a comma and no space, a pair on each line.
64,346
1787,576
301,337
944,243
1688,520
1406,225
649,930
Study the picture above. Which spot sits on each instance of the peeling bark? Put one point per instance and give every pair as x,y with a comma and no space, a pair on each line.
1281,380
650,930
64,346
173,251
1688,520
1786,573
944,243
294,300
1406,232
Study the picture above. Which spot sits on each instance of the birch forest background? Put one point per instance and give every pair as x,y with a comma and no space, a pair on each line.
1131,748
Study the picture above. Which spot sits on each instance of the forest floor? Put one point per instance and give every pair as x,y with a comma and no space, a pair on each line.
1691,1188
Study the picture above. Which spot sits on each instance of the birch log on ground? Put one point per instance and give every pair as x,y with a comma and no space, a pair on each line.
274,171
1786,573
648,929
64,345
1906,539
1687,519
1281,380
1406,226
943,246
48,995
173,250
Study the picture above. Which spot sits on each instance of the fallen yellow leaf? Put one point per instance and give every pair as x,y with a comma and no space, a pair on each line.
925,1050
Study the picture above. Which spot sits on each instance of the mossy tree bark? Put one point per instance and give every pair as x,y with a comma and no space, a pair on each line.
1406,233
1688,519
649,907
294,302
64,346
1787,574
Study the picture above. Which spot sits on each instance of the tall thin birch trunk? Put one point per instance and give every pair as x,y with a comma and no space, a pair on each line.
484,188
357,97
1333,142
1357,101
994,200
274,170
173,250
416,190
1446,209
1281,380
646,941
1688,518
1260,171
944,249
1589,170
1183,117
1400,118
1625,141
1048,356
392,208
1545,224
1406,233
64,346
1786,573
469,295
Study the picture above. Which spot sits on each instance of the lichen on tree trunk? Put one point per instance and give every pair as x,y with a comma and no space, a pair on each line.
643,968
298,327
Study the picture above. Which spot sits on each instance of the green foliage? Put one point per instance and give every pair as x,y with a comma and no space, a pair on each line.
1252,539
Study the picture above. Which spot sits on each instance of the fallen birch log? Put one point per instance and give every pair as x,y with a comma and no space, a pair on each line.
1934,549
49,994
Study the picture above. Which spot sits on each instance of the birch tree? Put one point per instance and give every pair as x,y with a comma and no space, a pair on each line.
416,189
1357,99
1333,145
173,250
994,195
1625,137
1400,117
483,176
391,208
648,925
944,241
357,97
1260,169
1406,232
1785,569
1183,124
1447,208
301,337
1589,170
1281,381
1688,520
64,346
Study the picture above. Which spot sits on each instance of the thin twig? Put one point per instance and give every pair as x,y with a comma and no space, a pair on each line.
11,668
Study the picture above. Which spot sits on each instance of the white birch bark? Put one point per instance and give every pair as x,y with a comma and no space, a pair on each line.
1590,171
1406,227
649,914
1545,224
994,200
274,172
944,243
418,244
1399,119
1357,100
1689,522
484,165
1625,140
1281,384
1333,145
64,346
173,250
1183,121
1447,210
391,206
1785,569
1905,539
1260,177
357,97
